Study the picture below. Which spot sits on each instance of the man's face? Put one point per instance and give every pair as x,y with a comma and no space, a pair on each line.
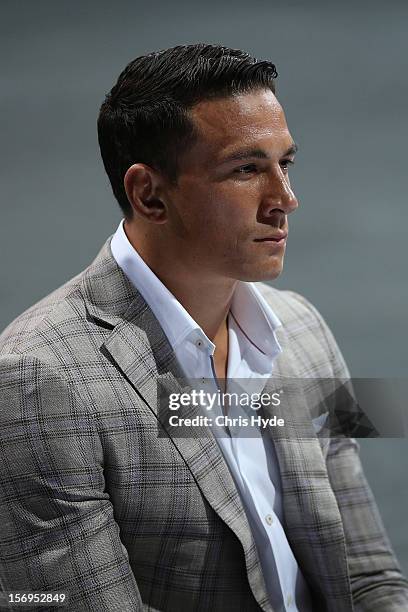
224,211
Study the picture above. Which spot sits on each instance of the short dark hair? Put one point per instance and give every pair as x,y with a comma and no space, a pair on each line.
144,117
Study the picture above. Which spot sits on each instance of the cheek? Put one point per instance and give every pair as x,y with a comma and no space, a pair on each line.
225,231
223,216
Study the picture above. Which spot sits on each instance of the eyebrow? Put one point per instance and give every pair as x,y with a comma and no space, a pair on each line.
258,153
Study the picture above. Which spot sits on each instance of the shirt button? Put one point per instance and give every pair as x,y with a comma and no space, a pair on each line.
289,600
269,519
204,380
199,343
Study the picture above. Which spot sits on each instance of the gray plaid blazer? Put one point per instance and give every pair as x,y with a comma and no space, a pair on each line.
94,503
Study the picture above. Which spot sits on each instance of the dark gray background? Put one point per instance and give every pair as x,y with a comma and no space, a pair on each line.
342,80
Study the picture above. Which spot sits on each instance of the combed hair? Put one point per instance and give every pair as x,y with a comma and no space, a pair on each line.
144,117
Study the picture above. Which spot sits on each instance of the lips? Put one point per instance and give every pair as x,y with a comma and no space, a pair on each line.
273,238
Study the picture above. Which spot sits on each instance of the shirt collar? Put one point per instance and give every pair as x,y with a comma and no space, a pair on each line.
251,312
176,322
255,318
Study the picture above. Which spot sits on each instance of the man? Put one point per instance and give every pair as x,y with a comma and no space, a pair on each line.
101,499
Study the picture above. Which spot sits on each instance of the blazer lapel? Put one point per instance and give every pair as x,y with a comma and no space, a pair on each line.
141,351
313,523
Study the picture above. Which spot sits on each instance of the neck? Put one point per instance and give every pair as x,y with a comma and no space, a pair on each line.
205,297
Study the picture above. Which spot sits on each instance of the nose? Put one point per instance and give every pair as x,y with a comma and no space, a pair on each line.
279,195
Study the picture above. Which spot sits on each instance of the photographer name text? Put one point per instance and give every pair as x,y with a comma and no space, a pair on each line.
226,421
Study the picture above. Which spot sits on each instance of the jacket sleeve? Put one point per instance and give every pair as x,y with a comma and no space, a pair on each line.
377,583
57,527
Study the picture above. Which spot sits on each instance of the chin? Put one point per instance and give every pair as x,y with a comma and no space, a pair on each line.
261,273
269,276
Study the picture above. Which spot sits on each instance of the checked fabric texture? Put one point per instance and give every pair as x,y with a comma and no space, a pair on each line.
94,503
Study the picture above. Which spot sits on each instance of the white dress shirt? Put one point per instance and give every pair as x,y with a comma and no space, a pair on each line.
252,460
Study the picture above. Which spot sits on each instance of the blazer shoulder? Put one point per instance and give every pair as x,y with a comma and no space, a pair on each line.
304,325
54,307
289,306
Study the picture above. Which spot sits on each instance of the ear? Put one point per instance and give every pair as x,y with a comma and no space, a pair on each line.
142,186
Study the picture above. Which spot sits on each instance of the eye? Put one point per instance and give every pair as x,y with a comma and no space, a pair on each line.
241,169
285,163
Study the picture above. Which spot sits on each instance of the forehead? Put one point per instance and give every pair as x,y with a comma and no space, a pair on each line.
224,124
